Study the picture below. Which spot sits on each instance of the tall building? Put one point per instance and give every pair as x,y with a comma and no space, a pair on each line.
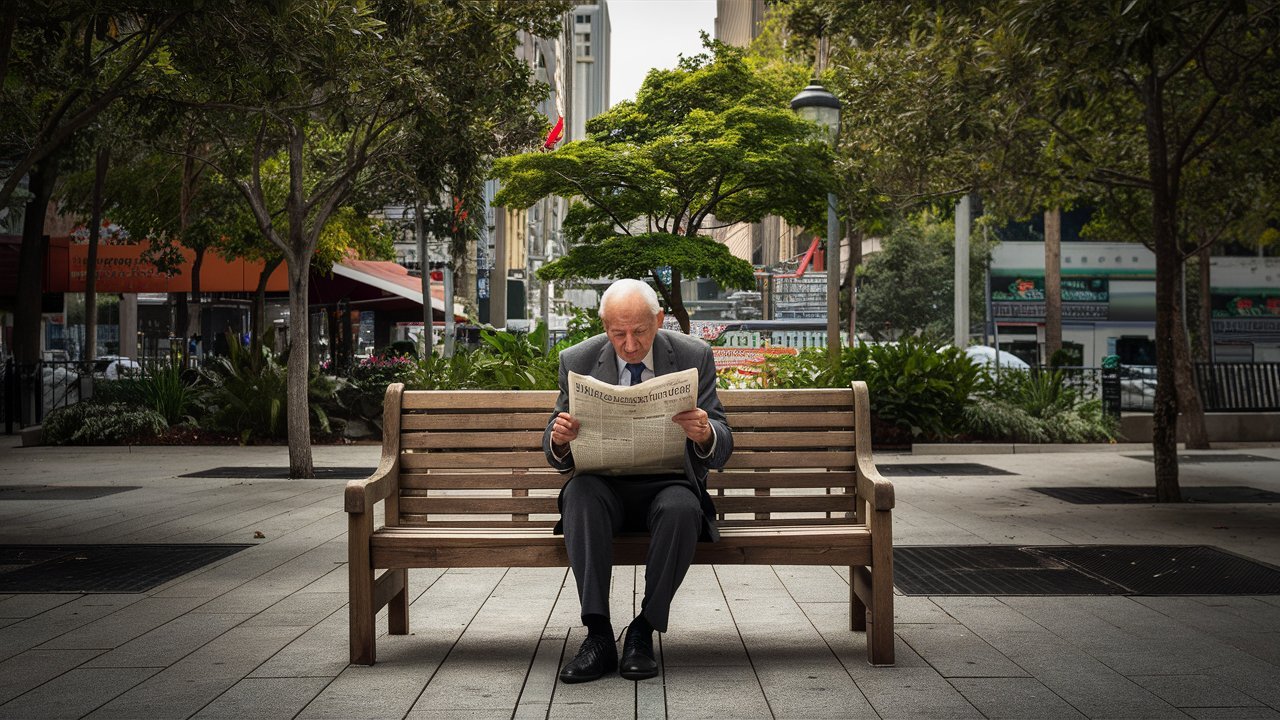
771,240
575,65
738,21
591,32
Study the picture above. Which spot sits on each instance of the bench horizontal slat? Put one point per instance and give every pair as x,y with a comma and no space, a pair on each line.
481,481
791,440
462,460
805,459
737,400
473,400
442,547
488,421
532,439
422,521
750,420
453,505
500,440
553,480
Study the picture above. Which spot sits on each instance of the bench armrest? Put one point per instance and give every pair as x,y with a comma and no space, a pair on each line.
362,495
873,488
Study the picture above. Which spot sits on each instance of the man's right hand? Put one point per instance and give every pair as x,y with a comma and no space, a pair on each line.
564,430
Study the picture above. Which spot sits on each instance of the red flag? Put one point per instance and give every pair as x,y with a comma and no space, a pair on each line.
556,133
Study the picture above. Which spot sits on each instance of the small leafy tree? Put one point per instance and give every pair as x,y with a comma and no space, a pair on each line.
711,141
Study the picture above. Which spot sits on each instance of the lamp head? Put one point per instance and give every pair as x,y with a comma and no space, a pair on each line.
816,104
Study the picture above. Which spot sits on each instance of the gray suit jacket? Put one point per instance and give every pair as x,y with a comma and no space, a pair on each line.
672,352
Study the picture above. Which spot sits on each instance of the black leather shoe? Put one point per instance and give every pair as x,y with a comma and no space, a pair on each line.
597,657
637,656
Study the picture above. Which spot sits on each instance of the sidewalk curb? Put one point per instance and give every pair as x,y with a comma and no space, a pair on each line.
1034,448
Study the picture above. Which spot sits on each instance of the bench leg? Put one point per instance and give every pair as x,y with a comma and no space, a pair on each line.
398,608
857,608
880,625
360,588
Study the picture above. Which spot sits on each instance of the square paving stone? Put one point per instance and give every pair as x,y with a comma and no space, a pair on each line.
263,699
1014,698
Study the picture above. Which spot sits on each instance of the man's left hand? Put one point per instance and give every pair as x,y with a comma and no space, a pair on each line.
696,425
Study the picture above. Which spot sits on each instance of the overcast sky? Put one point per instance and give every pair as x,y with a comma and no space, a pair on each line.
653,33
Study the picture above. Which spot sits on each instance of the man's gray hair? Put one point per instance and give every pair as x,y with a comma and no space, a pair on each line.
628,287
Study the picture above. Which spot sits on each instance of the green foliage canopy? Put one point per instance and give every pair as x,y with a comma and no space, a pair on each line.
712,139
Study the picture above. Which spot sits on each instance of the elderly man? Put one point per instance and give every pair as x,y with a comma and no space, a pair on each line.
674,508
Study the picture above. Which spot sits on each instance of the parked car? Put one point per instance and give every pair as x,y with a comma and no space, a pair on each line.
114,367
1137,387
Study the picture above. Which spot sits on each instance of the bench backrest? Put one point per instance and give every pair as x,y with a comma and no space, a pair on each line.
474,458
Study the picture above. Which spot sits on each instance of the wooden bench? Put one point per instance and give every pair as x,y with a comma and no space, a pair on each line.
464,483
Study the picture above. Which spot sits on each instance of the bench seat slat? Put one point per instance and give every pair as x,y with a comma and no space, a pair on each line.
799,398
480,400
422,521
463,460
751,420
806,459
842,439
502,440
440,547
488,421
550,480
496,440
452,505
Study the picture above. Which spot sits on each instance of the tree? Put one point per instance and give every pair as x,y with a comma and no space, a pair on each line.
710,140
908,287
331,89
1156,89
61,65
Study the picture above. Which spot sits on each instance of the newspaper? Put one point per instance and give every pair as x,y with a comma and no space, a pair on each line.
628,430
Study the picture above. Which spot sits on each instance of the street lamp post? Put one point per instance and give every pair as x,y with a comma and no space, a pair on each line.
816,104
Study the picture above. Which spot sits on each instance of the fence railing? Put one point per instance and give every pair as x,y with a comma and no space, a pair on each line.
1239,387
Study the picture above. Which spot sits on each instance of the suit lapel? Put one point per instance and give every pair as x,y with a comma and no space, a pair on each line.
664,355
606,369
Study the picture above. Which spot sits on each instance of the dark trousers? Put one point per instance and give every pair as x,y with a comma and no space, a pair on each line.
595,508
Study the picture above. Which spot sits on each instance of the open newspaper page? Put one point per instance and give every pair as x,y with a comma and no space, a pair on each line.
628,430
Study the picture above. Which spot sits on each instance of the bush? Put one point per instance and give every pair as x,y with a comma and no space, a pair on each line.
246,393
1038,406
90,423
916,384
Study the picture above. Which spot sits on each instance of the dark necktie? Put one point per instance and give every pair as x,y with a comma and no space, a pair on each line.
635,369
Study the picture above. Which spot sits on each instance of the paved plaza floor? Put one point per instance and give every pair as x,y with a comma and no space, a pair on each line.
263,633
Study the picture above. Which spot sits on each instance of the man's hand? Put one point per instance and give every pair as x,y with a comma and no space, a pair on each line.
696,425
564,430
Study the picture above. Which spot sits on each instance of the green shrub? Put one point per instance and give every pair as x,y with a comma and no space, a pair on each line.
91,423
1038,406
246,393
165,391
917,384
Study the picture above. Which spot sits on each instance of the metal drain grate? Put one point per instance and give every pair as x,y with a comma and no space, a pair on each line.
1174,570
933,469
989,570
276,473
61,492
1144,495
1194,459
994,570
101,568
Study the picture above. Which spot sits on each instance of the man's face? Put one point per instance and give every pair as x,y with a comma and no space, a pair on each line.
631,327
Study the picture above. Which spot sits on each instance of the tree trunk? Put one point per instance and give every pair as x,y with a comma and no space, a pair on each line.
258,318
1164,434
193,308
26,331
1204,309
676,300
1052,283
298,406
1189,404
855,260
90,350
